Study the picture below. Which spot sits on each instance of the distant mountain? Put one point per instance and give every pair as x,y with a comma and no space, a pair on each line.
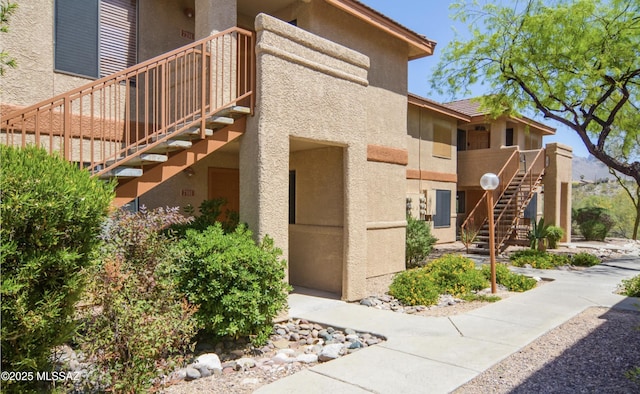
591,168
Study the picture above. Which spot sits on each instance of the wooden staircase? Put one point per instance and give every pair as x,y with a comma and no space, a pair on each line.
511,227
149,122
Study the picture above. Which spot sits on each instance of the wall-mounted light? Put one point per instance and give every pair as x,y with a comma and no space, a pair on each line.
189,172
189,12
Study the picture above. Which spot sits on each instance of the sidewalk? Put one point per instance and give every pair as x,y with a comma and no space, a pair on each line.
438,354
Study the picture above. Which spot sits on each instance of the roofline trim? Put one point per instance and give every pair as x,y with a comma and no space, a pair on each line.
439,108
372,17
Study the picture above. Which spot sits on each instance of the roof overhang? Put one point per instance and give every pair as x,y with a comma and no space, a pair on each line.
419,45
436,107
546,130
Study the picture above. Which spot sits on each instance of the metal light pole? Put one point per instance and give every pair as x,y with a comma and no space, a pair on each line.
489,182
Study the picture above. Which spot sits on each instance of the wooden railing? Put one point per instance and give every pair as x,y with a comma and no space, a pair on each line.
479,214
533,163
106,122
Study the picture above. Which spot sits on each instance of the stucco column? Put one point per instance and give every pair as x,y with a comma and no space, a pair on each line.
264,182
213,16
354,272
557,187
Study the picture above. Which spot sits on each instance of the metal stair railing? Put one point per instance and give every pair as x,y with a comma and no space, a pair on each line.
509,216
108,121
479,214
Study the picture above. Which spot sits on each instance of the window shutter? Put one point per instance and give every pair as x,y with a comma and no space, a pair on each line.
441,142
76,36
118,38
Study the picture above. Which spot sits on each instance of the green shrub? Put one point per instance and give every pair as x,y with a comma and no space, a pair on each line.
584,259
456,275
538,259
51,216
210,212
419,241
511,280
237,285
594,223
632,286
414,287
538,235
138,325
554,234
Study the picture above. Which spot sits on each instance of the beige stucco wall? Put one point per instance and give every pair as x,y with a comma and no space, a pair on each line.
160,25
311,89
435,172
557,187
472,164
316,238
169,193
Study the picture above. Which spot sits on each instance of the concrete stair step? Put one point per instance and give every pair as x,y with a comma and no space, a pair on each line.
122,173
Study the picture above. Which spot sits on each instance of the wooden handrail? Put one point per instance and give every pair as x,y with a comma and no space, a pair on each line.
108,121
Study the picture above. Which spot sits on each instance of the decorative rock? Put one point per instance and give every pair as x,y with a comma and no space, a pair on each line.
308,358
294,336
330,352
282,358
245,363
352,337
350,331
204,371
367,302
281,344
192,374
355,345
210,360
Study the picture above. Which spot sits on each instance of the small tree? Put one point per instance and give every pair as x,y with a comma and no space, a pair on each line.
419,241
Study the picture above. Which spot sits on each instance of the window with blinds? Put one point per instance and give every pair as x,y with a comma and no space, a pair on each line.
95,38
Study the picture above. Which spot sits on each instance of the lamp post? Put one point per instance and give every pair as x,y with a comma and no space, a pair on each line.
489,182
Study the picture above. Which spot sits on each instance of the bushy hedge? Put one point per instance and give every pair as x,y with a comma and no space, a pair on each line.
51,217
511,280
584,259
419,241
449,274
594,223
238,285
632,286
538,259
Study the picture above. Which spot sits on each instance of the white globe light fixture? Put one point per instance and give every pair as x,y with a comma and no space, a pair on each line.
490,182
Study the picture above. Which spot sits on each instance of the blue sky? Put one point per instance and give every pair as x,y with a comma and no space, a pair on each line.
431,18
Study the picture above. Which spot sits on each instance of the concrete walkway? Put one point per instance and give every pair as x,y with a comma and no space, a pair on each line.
438,354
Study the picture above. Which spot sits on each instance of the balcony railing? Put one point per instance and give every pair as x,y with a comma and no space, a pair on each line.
108,121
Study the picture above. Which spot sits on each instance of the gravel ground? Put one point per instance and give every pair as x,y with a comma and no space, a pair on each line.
588,354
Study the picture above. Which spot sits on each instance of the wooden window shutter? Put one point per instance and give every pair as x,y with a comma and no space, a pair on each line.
441,142
76,37
118,35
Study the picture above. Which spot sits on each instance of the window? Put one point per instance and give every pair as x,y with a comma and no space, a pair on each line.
292,197
462,140
95,38
461,206
443,209
509,137
441,142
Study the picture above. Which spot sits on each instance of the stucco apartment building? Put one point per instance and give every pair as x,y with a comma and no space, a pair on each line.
295,111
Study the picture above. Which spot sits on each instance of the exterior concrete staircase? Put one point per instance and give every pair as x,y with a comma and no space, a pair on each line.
149,122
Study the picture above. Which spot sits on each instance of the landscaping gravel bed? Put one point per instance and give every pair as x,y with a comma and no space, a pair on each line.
588,354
